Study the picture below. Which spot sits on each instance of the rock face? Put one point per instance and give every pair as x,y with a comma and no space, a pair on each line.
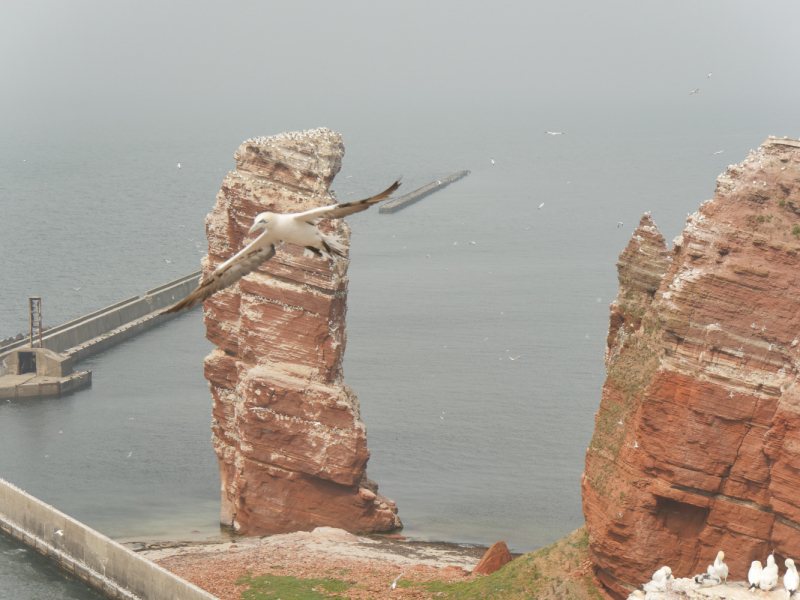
286,429
496,557
697,441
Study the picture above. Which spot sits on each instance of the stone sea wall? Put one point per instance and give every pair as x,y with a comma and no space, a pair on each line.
291,445
697,440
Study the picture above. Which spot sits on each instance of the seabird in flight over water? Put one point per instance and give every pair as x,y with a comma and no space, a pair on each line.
295,228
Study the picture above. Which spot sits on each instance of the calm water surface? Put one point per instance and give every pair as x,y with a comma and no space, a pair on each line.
472,446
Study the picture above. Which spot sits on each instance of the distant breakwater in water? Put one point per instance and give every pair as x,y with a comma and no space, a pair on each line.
403,201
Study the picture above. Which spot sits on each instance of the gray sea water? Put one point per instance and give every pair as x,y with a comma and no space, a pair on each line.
473,447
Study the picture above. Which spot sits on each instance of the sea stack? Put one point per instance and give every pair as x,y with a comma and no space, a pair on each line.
697,441
286,429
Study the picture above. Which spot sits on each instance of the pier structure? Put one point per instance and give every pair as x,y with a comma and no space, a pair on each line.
86,554
46,370
402,202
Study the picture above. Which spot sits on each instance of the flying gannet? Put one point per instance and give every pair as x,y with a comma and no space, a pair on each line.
697,91
295,228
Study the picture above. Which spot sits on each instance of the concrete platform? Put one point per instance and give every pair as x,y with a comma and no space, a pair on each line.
30,384
27,371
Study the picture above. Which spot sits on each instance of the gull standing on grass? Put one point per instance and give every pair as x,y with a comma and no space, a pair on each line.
295,228
394,583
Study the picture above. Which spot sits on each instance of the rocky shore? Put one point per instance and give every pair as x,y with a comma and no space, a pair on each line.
364,567
371,563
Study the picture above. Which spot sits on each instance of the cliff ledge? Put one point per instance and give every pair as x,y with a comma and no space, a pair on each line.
697,441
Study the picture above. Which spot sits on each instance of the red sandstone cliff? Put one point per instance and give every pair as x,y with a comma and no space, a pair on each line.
286,429
697,441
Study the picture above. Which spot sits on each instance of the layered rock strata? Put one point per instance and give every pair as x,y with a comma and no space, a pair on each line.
286,429
697,441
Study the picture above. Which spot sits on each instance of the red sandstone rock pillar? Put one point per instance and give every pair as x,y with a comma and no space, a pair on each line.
697,441
286,429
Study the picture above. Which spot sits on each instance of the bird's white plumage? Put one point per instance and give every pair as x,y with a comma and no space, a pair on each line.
396,579
708,579
791,580
659,581
754,574
655,586
295,228
769,575
720,568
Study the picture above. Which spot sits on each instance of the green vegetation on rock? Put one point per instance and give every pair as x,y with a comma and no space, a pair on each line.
540,574
285,587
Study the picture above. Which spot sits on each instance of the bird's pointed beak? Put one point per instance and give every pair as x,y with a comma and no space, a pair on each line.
257,225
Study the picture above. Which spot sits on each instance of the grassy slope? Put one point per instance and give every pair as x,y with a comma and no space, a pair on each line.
540,574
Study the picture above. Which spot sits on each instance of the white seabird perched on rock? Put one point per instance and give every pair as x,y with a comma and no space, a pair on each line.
791,580
655,586
708,579
769,575
754,574
720,568
295,228
659,581
636,595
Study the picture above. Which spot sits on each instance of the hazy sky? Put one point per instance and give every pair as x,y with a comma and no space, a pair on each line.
301,64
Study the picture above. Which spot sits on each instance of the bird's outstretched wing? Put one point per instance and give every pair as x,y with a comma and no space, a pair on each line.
232,270
337,211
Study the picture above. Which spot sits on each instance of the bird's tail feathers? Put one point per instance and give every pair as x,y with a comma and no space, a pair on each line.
334,245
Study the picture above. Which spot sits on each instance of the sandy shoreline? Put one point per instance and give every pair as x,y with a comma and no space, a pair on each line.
369,563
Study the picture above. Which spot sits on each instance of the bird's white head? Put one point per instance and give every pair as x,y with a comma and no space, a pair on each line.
755,564
720,556
789,563
770,560
261,221
667,572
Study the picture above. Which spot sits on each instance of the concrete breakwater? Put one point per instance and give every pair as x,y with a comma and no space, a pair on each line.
87,554
417,195
111,325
